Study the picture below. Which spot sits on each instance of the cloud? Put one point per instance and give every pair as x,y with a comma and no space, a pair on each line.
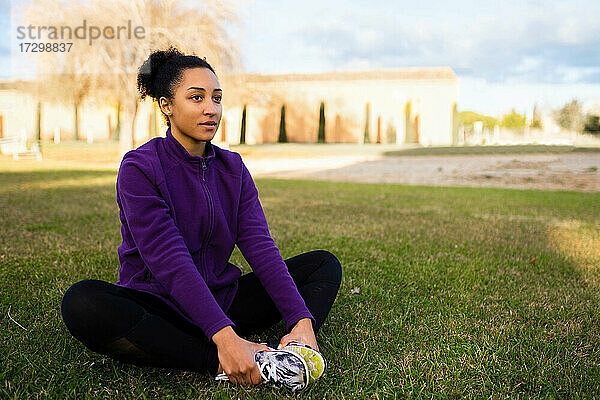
555,44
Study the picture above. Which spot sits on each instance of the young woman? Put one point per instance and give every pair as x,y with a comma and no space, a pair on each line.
184,204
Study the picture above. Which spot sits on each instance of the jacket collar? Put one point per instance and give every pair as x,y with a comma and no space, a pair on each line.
176,149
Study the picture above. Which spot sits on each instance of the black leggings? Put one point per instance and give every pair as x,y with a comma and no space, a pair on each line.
136,327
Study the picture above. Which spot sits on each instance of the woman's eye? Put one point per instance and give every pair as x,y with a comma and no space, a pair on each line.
198,97
218,99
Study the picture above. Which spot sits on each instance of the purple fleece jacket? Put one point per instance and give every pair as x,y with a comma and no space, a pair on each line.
181,217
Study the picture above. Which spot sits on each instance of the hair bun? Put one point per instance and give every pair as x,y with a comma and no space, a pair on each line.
149,70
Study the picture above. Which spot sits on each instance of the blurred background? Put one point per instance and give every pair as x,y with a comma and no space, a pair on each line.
367,73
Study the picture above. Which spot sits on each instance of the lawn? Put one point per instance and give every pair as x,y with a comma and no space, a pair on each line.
447,292
108,152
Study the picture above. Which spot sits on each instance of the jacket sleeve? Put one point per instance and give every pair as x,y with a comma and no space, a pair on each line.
258,248
162,248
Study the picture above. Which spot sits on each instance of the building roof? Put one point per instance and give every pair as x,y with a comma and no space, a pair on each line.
416,73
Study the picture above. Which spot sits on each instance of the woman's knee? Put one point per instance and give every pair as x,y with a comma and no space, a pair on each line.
331,268
76,301
94,313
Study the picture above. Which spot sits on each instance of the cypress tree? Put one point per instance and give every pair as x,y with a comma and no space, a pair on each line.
38,122
117,130
409,134
243,130
76,121
282,133
321,136
367,120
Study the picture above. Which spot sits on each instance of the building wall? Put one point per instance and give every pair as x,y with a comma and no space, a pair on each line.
344,96
345,108
18,113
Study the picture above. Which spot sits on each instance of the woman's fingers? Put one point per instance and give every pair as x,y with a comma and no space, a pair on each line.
284,341
262,347
255,377
244,369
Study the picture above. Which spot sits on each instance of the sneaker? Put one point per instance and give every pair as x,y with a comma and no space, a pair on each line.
314,360
280,368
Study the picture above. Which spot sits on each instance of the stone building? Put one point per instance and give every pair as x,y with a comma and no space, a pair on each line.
411,105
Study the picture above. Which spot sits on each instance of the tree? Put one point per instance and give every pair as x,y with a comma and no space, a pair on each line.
117,131
570,116
408,123
367,133
38,122
243,127
390,133
592,124
321,135
514,120
468,118
282,132
536,122
107,67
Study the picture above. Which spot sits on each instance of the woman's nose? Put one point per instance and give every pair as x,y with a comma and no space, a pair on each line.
210,108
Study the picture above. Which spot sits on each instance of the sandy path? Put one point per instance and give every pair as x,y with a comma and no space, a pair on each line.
569,171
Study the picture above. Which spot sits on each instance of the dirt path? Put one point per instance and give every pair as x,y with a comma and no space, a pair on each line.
569,171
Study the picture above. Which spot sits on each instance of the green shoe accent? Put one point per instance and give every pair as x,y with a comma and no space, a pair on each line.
314,360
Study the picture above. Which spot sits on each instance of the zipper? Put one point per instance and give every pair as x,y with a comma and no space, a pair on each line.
210,223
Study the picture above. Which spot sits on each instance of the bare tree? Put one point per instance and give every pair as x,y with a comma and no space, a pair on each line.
570,116
107,67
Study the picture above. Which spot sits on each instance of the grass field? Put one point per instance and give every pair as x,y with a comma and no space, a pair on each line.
447,292
108,152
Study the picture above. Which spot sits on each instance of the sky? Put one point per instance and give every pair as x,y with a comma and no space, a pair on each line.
509,54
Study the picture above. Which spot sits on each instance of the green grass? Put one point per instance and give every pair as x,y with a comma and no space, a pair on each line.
108,152
462,292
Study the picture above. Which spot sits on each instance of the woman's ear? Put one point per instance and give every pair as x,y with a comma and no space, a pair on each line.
165,105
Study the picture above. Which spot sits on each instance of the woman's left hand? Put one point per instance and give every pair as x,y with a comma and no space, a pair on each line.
303,333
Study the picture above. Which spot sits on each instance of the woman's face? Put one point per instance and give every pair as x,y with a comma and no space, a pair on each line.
196,108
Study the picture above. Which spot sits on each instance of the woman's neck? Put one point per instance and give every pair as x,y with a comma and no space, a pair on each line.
193,147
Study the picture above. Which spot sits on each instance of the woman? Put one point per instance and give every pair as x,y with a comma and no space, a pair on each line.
184,204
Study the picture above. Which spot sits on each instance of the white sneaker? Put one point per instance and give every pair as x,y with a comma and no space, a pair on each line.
280,368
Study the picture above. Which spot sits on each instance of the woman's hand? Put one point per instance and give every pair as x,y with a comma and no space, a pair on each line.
301,333
236,357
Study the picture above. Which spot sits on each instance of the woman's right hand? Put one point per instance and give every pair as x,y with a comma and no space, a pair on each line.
236,357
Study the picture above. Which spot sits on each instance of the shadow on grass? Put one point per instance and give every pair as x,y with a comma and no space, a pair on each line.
454,292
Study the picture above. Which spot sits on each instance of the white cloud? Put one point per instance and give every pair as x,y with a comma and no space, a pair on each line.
527,42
